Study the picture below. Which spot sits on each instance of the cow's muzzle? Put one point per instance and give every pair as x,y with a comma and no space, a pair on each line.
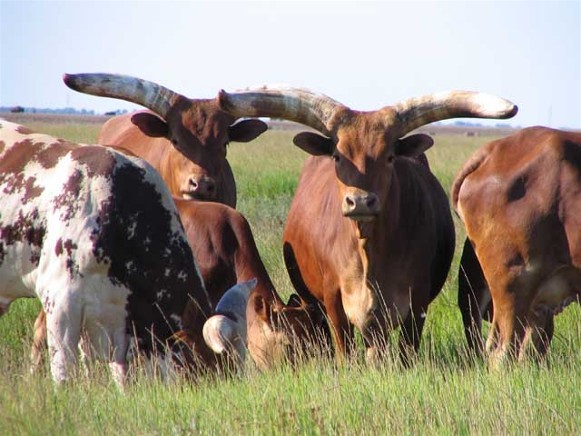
361,206
200,188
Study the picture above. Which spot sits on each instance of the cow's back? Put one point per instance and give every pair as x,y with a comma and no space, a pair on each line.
527,184
519,200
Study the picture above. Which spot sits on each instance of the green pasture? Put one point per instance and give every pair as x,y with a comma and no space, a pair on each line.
444,392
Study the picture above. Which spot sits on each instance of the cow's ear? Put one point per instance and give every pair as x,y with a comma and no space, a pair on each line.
150,124
314,144
246,130
260,307
413,145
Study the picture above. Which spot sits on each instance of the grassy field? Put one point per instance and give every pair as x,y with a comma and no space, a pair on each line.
444,392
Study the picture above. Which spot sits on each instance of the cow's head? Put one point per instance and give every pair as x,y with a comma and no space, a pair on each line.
363,145
217,342
198,128
278,331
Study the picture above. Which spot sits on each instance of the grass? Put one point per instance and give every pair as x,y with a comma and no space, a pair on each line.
444,392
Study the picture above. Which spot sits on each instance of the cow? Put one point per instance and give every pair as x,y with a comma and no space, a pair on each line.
95,235
519,199
184,139
369,233
224,246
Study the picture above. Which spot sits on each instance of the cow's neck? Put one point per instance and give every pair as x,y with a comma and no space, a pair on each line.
366,270
377,239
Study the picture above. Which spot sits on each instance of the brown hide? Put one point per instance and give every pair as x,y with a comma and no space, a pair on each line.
519,198
205,175
374,274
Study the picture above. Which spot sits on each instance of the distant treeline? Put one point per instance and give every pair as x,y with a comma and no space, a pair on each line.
61,111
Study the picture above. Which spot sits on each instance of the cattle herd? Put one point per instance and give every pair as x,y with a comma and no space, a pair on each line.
134,247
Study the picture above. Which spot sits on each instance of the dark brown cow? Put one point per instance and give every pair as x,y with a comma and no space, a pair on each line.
369,233
520,200
195,166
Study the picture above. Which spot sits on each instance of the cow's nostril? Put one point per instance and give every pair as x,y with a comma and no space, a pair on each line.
350,202
371,201
194,184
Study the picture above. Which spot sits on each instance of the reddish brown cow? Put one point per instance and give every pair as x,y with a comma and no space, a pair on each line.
519,198
369,233
195,166
224,247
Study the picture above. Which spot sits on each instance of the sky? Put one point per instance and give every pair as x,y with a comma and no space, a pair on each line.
364,54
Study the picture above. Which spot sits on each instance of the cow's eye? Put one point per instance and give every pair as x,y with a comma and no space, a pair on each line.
335,156
390,158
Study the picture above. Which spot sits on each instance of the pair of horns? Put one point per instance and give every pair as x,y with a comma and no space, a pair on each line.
320,112
301,105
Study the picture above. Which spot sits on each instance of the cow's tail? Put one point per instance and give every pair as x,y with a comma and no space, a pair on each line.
469,167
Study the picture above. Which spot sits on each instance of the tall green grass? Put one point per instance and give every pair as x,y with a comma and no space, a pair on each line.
443,392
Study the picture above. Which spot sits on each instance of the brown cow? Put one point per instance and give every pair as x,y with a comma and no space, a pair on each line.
196,165
519,198
369,233
226,254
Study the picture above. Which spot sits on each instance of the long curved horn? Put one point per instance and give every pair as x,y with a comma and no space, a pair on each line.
143,92
294,104
227,328
415,112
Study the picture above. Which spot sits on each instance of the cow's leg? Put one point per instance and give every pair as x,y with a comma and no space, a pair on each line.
473,297
341,328
509,324
118,362
411,332
38,342
63,333
538,336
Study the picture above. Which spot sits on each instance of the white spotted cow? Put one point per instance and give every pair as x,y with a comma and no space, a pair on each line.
95,235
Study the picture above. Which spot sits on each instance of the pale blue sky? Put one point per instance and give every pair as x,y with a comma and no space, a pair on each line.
364,54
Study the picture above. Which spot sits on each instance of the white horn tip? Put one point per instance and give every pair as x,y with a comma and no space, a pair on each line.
496,107
218,332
